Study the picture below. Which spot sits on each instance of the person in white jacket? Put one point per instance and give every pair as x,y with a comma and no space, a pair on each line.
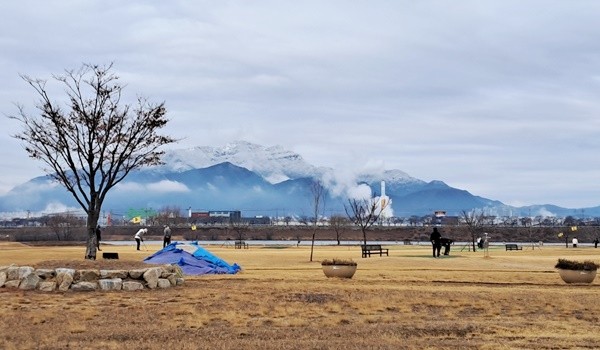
139,236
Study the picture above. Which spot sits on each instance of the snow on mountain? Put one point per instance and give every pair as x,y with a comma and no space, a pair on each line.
263,181
274,163
396,177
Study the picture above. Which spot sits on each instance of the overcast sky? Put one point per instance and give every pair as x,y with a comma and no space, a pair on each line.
500,98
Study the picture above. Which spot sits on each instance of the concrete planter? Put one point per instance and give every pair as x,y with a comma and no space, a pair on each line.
341,271
577,276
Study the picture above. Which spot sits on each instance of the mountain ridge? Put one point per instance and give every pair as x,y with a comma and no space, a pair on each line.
263,181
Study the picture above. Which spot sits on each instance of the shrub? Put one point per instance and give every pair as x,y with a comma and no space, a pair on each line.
348,262
566,264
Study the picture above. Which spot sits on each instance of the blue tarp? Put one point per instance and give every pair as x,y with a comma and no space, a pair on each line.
204,263
205,255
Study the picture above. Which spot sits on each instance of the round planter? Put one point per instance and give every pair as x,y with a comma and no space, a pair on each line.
577,276
341,271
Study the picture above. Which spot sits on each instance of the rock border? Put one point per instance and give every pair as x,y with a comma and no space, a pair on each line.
65,279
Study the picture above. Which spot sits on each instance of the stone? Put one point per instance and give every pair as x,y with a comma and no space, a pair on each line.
166,271
12,273
172,279
65,282
177,270
110,284
29,282
114,274
163,283
84,286
25,271
62,270
45,274
132,285
64,278
137,274
151,277
87,275
12,284
47,286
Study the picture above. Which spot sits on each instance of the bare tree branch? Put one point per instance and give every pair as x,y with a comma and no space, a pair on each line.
364,213
95,141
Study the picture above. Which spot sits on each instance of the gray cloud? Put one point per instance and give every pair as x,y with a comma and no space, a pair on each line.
496,97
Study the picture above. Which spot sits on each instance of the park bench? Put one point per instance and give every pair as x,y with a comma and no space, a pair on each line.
512,246
368,249
241,244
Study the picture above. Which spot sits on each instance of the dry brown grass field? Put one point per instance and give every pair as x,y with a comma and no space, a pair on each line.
511,300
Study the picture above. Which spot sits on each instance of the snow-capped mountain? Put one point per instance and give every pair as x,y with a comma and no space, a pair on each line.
259,180
274,164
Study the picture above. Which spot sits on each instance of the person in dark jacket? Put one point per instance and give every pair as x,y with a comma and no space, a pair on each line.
166,236
436,242
98,237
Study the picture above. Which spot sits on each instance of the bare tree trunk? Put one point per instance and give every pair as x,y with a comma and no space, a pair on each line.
90,252
318,197
92,224
312,243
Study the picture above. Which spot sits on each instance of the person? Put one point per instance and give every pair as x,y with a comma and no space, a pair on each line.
139,236
575,241
166,236
446,242
436,242
596,241
98,237
479,243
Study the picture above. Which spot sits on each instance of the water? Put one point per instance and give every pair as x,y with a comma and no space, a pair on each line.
331,243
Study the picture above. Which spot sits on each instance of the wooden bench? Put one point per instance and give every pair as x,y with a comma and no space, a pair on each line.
511,246
109,255
368,249
241,244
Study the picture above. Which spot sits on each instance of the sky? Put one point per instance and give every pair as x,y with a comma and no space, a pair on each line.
499,98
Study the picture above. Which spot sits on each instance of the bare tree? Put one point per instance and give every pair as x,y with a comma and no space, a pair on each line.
304,220
168,215
317,191
239,227
92,141
474,220
62,225
363,213
338,223
526,221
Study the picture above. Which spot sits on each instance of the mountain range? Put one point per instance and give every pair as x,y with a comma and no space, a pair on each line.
258,180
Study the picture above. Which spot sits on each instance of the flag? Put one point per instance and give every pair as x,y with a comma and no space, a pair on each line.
136,220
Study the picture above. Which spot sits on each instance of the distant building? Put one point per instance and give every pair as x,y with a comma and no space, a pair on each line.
384,204
216,216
